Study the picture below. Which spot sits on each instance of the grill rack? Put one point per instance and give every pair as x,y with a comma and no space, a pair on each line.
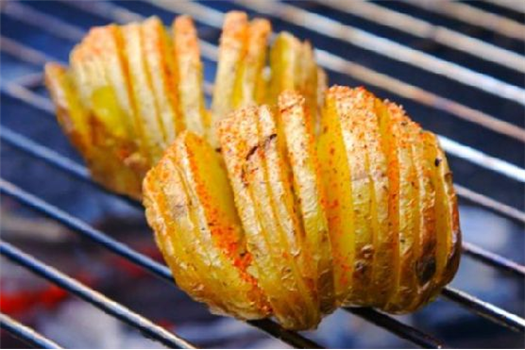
20,90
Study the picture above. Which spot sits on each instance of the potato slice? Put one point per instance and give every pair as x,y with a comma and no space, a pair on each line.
71,115
231,52
249,83
340,211
287,212
242,149
379,261
255,176
293,67
219,229
408,208
242,57
368,171
107,43
167,212
425,250
147,114
188,76
353,107
160,69
449,232
294,119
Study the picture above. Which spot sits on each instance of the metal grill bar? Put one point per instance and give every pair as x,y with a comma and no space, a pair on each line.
426,30
482,159
490,311
31,98
27,96
490,204
58,161
26,334
406,332
17,50
85,230
389,48
164,273
492,259
509,4
109,306
473,16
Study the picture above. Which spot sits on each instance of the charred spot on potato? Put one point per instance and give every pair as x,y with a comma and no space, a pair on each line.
425,269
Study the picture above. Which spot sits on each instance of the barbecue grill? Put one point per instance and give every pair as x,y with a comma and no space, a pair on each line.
458,68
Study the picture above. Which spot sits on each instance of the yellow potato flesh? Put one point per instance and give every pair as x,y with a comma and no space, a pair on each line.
425,250
167,211
335,178
284,206
249,83
242,150
449,244
159,67
188,78
405,289
298,133
219,228
153,137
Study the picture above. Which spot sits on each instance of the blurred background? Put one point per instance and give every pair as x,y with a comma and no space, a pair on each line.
457,67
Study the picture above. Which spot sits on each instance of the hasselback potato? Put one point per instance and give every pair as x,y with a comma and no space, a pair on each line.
290,223
284,199
130,89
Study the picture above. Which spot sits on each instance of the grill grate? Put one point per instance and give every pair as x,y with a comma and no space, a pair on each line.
21,90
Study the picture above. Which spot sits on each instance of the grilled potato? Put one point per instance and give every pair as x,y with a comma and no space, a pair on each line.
139,87
286,199
363,215
124,80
